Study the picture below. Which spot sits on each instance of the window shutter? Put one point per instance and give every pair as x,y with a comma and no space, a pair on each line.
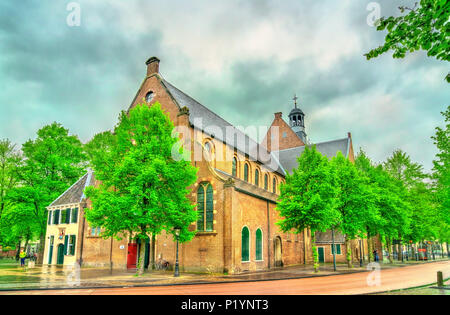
256,177
74,215
72,242
246,172
56,217
68,211
66,241
50,213
338,249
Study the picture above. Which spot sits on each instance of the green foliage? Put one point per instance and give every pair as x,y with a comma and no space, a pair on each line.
354,200
308,197
143,189
441,176
52,163
426,27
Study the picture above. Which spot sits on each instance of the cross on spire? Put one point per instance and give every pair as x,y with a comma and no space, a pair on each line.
295,100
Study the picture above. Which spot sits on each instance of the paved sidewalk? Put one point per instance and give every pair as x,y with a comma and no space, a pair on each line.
13,277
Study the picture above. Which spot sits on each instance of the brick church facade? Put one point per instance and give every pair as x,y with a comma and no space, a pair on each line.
236,194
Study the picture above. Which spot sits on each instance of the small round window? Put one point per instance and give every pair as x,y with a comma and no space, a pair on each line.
149,97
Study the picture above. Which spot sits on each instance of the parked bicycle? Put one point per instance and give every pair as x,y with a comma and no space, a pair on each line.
162,264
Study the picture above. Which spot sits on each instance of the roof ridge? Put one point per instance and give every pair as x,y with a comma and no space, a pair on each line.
310,145
80,179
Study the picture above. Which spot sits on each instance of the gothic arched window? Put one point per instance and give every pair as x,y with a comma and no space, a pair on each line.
245,244
257,177
274,186
234,167
205,207
246,172
258,245
266,182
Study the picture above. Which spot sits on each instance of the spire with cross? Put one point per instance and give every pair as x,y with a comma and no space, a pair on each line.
295,100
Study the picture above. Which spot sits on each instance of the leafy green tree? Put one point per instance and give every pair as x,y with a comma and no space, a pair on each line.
400,166
143,189
99,148
308,198
425,27
53,162
373,220
354,200
9,161
441,177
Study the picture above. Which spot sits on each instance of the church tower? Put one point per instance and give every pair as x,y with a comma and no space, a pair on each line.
297,121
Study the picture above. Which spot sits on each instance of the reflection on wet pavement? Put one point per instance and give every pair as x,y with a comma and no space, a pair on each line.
13,277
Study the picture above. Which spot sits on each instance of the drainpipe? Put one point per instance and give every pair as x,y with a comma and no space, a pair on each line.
82,237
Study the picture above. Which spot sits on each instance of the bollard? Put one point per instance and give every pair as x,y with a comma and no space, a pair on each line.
440,279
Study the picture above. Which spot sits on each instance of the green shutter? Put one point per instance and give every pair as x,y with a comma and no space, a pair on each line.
72,242
209,208
68,211
233,169
56,217
256,177
245,244
201,208
246,172
66,243
50,213
338,249
74,215
258,244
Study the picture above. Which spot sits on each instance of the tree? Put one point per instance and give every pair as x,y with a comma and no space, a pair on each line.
99,148
9,160
441,177
400,166
353,201
143,189
52,163
307,199
425,27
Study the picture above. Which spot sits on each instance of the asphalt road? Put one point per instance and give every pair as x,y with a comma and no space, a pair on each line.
356,283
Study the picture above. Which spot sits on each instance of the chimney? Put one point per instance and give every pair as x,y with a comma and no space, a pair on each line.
278,115
350,135
152,66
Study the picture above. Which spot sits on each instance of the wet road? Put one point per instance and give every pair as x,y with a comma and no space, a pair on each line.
357,283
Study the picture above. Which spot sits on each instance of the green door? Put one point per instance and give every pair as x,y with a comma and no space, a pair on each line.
321,254
60,258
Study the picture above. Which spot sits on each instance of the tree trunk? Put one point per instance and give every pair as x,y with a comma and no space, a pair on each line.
369,248
153,250
388,243
18,250
40,258
141,263
349,253
314,252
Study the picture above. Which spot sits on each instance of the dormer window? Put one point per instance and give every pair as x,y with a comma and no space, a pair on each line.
149,97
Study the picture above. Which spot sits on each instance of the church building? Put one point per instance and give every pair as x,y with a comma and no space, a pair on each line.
236,196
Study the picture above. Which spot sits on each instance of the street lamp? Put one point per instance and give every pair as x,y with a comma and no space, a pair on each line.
177,235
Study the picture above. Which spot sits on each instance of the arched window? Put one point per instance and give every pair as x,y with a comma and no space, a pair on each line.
274,185
234,167
257,177
149,96
205,207
258,249
245,244
246,172
266,182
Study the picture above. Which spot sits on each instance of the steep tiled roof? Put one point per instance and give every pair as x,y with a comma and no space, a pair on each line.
288,157
75,194
204,119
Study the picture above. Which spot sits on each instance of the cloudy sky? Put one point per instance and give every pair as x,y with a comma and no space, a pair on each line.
244,59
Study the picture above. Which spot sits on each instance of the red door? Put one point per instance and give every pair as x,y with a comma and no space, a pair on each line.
132,255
